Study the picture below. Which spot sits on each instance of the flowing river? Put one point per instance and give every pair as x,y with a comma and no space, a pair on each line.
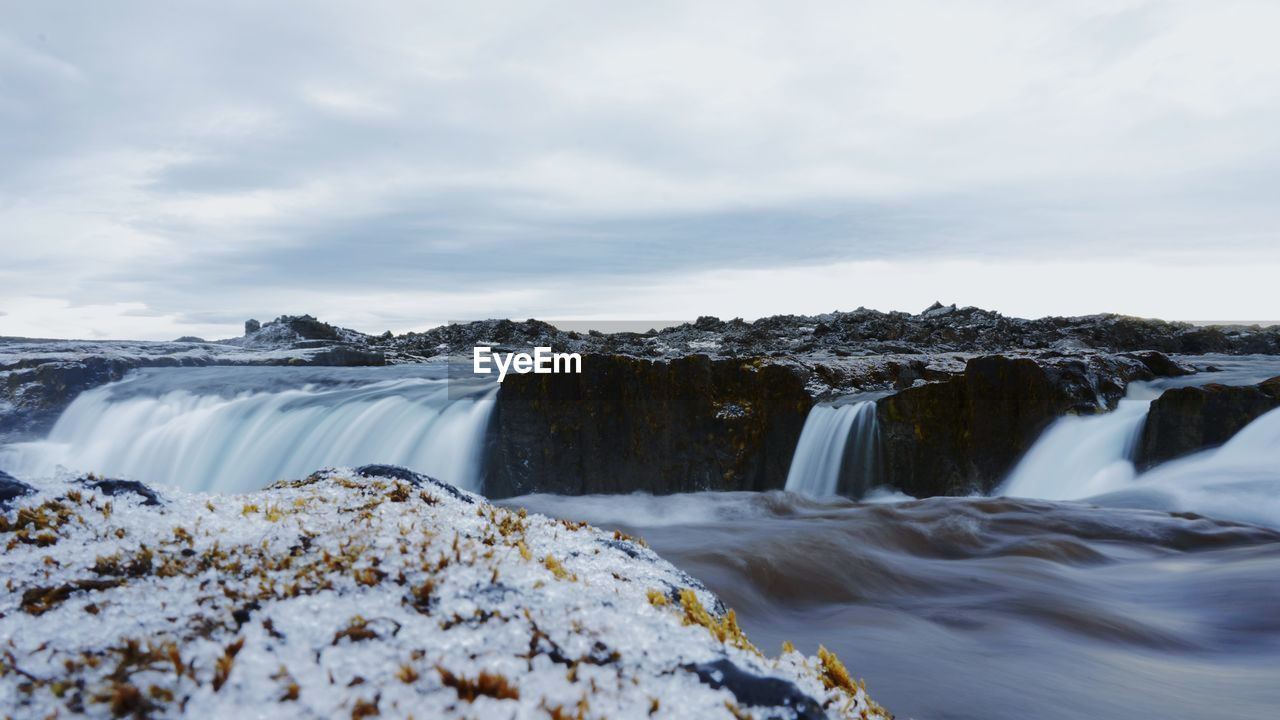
1097,592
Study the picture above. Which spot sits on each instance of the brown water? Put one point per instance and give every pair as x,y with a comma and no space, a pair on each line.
987,608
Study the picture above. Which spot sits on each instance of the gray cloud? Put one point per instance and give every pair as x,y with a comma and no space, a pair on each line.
238,154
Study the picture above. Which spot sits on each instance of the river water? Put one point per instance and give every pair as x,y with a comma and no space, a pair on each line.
987,608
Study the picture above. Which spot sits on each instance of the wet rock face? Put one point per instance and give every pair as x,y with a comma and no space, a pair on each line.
698,423
966,434
1185,420
626,424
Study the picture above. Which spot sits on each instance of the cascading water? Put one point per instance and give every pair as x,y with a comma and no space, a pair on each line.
235,429
821,452
1237,481
1080,456
1091,459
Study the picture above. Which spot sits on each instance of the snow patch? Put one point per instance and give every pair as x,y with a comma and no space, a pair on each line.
348,595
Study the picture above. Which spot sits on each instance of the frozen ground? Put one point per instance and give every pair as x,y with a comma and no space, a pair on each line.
357,593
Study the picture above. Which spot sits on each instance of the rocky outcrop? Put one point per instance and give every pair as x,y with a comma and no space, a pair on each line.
938,329
965,434
698,423
370,593
628,424
1186,420
295,331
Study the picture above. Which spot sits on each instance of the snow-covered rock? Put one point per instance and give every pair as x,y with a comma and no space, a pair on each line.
366,592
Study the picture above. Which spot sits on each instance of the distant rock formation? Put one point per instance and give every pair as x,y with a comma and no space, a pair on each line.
293,332
939,329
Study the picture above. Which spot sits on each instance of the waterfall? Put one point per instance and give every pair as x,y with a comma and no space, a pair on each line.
200,430
1238,481
1091,459
1084,457
1080,456
824,449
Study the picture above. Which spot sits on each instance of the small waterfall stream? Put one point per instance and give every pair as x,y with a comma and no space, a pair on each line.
1090,459
1079,456
231,430
835,437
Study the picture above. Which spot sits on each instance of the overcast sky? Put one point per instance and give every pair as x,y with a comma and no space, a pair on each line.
171,169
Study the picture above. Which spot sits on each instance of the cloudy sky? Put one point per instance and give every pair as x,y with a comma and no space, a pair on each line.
174,169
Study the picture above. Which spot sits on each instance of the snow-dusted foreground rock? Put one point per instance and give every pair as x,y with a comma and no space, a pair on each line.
366,592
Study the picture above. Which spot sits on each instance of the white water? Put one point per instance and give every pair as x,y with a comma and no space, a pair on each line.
188,434
1238,481
819,456
1080,456
1090,459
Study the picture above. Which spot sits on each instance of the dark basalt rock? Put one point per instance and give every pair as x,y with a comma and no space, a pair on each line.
297,332
11,488
966,434
1186,420
939,329
348,356
1161,365
304,326
628,424
108,486
699,423
392,471
413,478
757,691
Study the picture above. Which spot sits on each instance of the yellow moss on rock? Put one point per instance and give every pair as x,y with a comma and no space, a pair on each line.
557,569
725,630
